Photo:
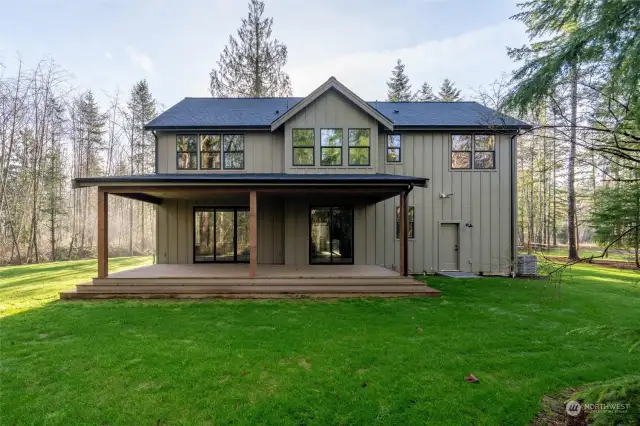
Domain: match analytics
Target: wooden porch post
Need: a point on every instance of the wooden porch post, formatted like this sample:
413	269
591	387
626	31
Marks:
404	241
103	233
253	234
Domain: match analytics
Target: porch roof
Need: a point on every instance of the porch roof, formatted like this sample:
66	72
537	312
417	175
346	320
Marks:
251	180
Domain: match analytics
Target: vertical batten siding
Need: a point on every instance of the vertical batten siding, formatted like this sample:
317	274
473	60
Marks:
481	198
264	152
330	110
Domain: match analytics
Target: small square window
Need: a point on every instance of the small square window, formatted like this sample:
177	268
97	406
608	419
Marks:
475	151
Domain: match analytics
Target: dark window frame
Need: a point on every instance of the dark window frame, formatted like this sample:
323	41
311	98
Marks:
179	152
350	147
322	147
491	151
225	151
353	244
472	151
389	147
312	146
202	152
214	209
411	230
469	152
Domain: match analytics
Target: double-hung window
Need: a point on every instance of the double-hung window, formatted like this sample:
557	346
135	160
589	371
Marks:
331	147
359	147
186	152
303	147
394	149
233	146
410	222
210	152
473	151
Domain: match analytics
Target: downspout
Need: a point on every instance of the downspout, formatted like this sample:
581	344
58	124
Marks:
514	200
155	166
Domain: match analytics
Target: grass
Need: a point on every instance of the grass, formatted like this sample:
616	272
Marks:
363	361
32	286
614	254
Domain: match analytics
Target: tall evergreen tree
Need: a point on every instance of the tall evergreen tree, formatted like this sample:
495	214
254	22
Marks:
398	84
252	66
425	93
448	91
142	108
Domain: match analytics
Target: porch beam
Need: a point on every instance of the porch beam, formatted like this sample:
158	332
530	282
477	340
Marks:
404	241
103	233
253	234
141	197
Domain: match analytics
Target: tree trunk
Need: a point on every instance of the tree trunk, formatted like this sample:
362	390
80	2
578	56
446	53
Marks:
571	196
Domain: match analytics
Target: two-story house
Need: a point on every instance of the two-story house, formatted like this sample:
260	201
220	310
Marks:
319	189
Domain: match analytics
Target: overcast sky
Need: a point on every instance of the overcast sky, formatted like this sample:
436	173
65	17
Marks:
174	44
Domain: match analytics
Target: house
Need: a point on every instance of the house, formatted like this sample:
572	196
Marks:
327	188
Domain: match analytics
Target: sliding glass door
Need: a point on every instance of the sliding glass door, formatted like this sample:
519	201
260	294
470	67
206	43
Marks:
221	234
331	239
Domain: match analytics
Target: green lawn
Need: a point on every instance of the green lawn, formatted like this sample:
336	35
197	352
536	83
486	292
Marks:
615	254
365	361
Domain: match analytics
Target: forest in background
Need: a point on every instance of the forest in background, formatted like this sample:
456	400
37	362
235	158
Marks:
51	133
578	83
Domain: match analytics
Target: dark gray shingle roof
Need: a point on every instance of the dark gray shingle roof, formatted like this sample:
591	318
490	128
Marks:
256	112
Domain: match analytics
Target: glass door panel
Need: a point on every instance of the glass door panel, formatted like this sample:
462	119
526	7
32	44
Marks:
204	236
331	235
242	231
225	235
341	235
320	239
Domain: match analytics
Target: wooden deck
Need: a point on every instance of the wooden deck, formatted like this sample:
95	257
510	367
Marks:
234	281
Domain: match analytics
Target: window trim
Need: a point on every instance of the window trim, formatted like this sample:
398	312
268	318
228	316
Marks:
387	148
358	147
312	146
224	151
397	222
177	153
219	151
472	152
332	147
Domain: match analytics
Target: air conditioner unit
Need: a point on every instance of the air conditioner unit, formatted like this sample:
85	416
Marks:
527	265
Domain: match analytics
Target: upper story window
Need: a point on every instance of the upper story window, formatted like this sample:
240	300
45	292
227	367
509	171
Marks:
186	152
303	147
359	147
394	149
331	147
473	151
210	152
233	152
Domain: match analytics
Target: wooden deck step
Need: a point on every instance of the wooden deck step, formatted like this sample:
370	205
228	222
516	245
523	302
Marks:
132	289
256	281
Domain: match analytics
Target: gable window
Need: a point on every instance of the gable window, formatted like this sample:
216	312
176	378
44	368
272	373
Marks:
359	147
394	149
186	152
303	147
233	152
473	151
210	152
410	222
484	152
331	147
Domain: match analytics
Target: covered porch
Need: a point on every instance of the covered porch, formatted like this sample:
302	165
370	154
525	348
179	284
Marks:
275	252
